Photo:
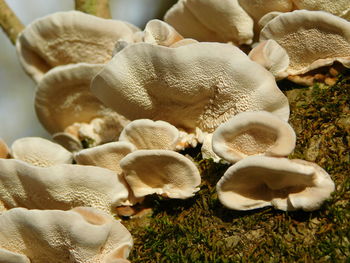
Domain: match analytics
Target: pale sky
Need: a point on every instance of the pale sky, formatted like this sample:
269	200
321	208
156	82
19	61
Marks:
17	116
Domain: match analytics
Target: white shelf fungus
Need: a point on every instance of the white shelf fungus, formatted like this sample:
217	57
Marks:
58	187
211	20
67	38
160	172
81	235
258	8
147	135
195	86
108	156
160	33
156	32
64	103
259	181
253	133
267	18
40	152
184	42
271	56
68	141
339	8
312	39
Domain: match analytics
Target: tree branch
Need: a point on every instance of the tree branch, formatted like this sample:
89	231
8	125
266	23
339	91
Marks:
9	22
94	7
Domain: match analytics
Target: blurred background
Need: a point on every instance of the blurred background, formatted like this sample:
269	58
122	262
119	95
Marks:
17	116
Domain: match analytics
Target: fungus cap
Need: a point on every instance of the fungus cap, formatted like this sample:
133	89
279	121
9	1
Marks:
108	156
267	18
339	8
271	56
252	133
211	20
199	85
81	235
12	257
184	42
258	8
63	98
161	172
189	26
68	141
149	135
67	38
312	39
61	186
259	181
160	33
40	152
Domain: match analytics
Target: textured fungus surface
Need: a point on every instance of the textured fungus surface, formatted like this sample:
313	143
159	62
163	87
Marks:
162	172
258	181
40	152
200	85
63	98
147	134
58	187
68	37
211	20
253	133
81	235
312	39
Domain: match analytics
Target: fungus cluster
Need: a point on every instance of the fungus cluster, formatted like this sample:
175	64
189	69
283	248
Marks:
123	103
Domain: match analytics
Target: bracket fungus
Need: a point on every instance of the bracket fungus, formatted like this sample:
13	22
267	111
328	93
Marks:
147	135
64	103
253	133
259	181
312	39
67	38
271	56
258	8
211	20
339	8
161	172
40	152
81	235
108	156
68	141
62	186
156	32
267	18
160	33
196	86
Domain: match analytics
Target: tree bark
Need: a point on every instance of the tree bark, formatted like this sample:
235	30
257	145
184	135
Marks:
94	7
9	22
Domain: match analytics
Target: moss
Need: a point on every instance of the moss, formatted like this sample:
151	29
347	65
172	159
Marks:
200	229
